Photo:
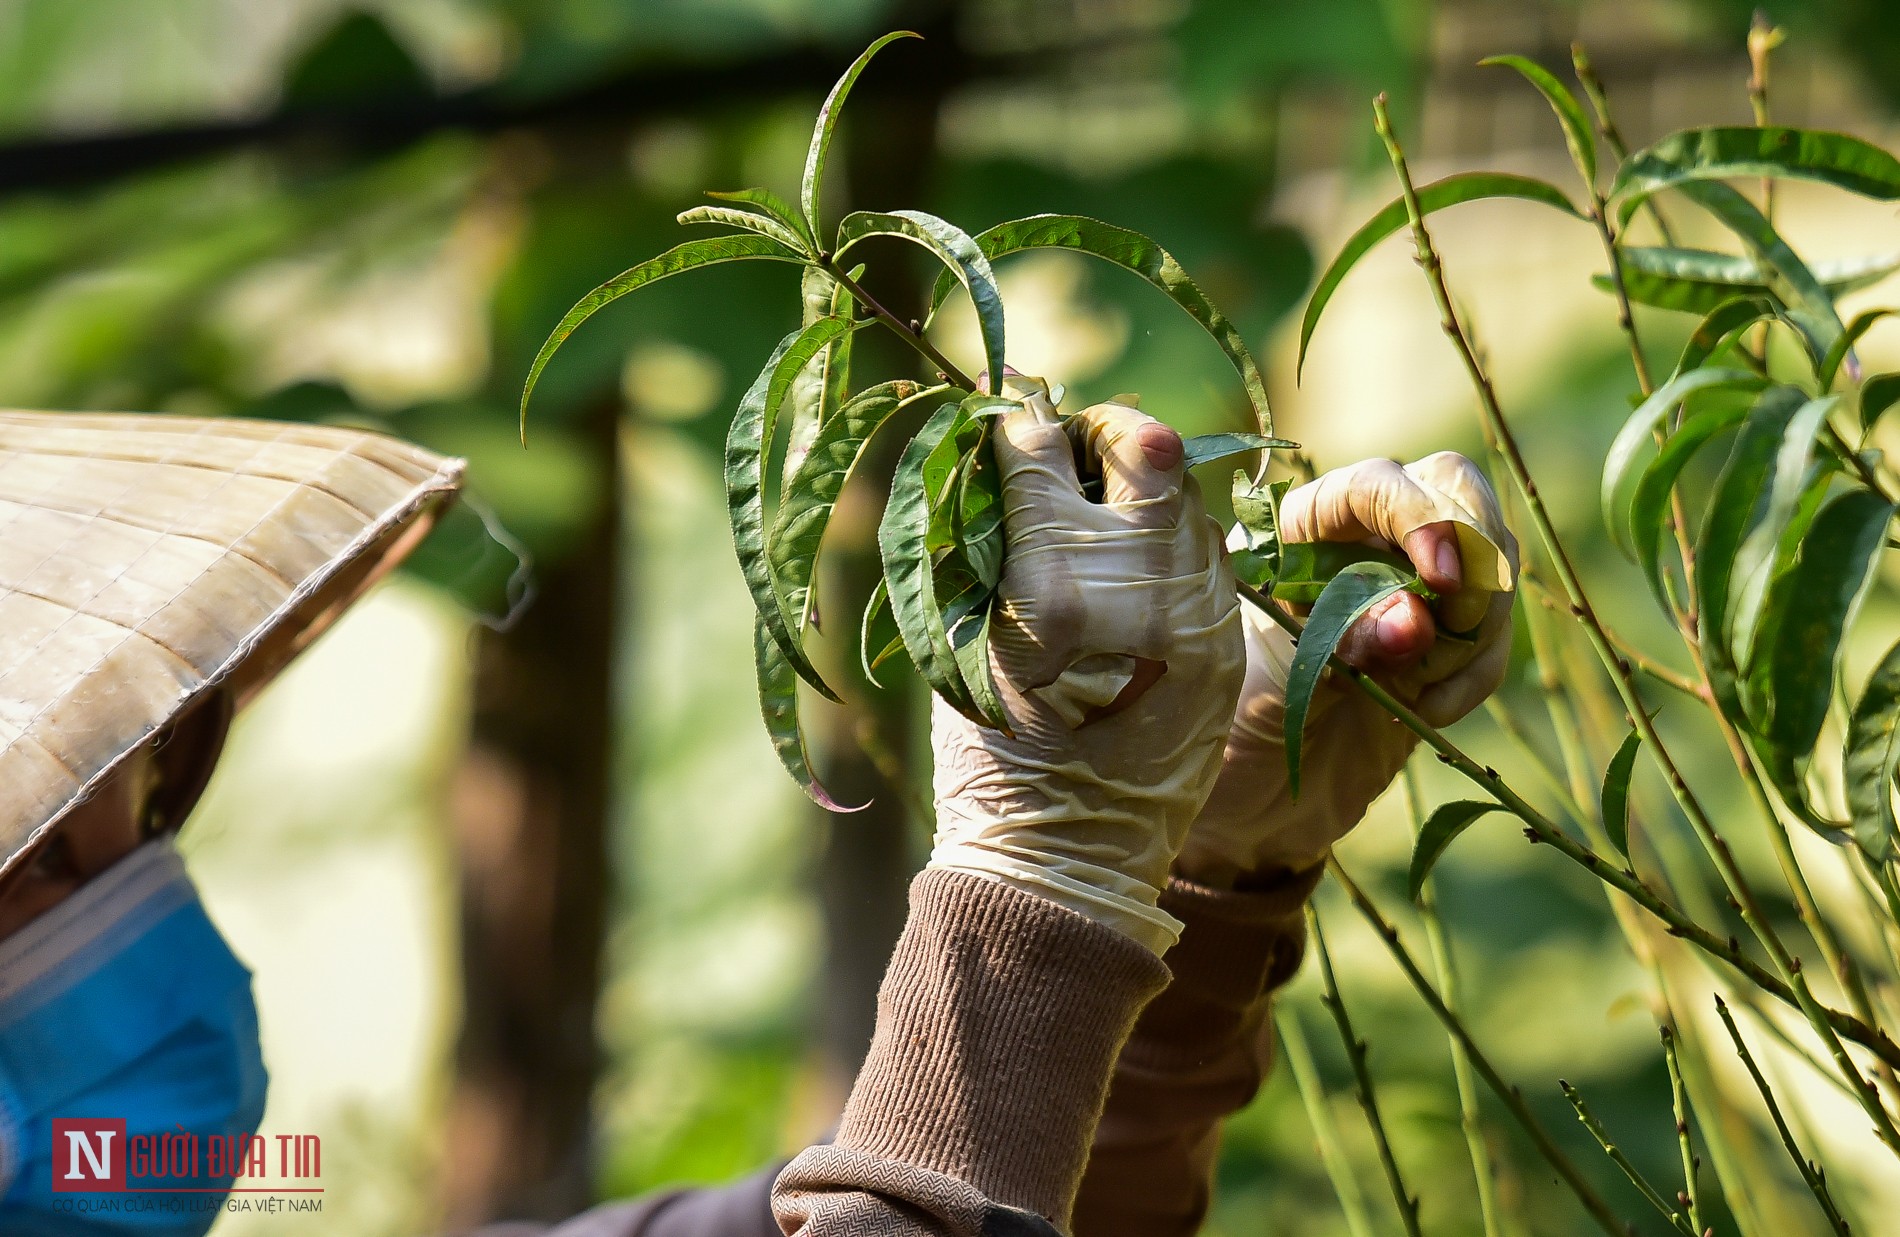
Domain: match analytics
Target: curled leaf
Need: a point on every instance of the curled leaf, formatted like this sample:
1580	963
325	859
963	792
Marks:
778	704
820	148
1576	125
1616	792
747	220
1728	152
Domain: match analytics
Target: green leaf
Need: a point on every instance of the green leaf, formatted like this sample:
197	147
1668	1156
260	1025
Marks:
1828	580
1354	591
1731	152
1809	304
1730	515
1439	831
970	636
778	704
958	251
1722	327
1702	280
773	206
1639	430
1878	394
1134	252
1206	448
820	147
1789	481
1766	562
1306	567
901	538
878	631
1650	507
1831	363
763	225
748	442
1451	191
977	527
1577	134
810	496
1872	759
821	387
1257	516
683	257
1616	792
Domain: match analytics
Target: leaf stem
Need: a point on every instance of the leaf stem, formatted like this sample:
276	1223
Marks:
903	330
1622	1161
1606	125
1679	1104
1513	1099
1541	829
1810	1172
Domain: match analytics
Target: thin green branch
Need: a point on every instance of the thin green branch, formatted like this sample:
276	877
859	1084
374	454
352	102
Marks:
1470	1118
1597	1131
1638	660
1541	829
1362	1078
1513	1099
1691	1196
909	332
1811	1173
1332	1156
1606	125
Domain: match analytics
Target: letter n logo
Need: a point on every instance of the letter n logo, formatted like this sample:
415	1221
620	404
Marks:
88	1156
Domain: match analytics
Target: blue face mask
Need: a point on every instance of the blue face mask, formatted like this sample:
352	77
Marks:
122	1003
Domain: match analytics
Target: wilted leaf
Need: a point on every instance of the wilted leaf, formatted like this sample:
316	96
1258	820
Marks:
684	257
1133	252
1451	191
1639	430
1872	759
773	206
1439	831
1616	792
1731	152
957	251
1354	591
820	148
1577	134
763	225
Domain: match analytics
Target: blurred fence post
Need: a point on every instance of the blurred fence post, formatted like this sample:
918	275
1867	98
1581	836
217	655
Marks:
530	812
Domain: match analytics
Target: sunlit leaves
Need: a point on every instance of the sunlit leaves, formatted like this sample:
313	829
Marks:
1649	510
957	251
1704	281
1576	125
1641	426
1439	831
1451	191
1206	448
820	148
1725	153
772	206
1133	252
1351	593
1872	759
684	257
1809	304
746	220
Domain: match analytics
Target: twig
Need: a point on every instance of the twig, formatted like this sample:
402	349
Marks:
1541	829
1627	651
1679	1104
1332	1156
1811	1173
1586	1193
1622	1161
1469	1117
903	330
1606	125
1622	675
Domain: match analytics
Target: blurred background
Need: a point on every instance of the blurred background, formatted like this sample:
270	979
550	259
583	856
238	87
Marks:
535	917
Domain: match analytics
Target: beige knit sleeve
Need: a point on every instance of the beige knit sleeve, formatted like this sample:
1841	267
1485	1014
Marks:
998	1024
1197	1056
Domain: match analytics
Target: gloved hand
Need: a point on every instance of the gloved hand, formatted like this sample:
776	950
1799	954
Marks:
1442	513
1117	655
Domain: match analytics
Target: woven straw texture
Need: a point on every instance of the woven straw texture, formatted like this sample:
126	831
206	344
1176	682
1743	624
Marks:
147	559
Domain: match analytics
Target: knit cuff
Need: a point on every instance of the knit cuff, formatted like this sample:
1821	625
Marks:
998	1024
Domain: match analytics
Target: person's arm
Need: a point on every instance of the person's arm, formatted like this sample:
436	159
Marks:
1201	1049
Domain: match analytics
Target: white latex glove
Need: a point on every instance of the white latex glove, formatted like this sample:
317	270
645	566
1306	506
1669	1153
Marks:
1442	513
1117	653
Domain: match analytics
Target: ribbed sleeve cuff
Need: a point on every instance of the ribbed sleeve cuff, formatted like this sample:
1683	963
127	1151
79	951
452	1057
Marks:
999	1021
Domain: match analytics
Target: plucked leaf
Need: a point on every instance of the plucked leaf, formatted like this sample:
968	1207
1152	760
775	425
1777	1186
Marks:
1439	831
1649	506
1354	591
1451	191
763	225
1701	281
1206	448
1872	759
820	148
901	538
1729	152
684	257
1639	430
748	442
1616	792
1134	252
1576	125
778	704
771	205
958	251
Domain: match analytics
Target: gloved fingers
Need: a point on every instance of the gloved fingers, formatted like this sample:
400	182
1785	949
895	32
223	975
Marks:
1373	498
1037	466
1396	633
1140	460
1481	535
1445	702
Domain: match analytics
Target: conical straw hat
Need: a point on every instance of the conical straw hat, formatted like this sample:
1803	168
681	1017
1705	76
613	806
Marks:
145	560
